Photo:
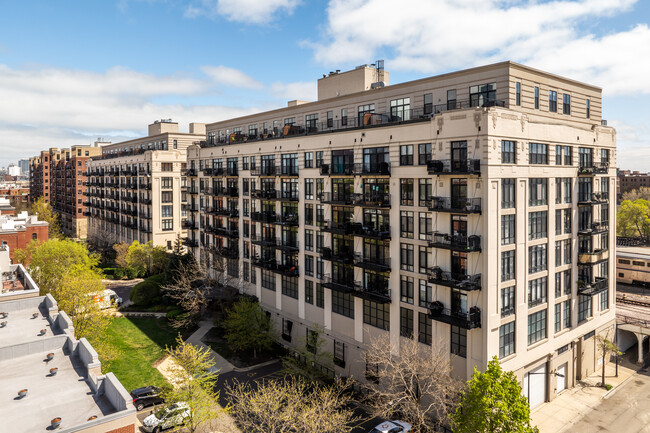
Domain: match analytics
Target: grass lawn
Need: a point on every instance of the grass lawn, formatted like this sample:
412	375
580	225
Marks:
139	343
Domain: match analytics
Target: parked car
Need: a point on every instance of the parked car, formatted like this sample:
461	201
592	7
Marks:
165	418
146	396
392	427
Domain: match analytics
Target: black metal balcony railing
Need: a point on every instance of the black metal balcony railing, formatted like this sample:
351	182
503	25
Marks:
264	241
340	255
381	232
454	280
189	172
226	192
288	269
189	224
599	285
227	252
337	199
265	194
595	228
594	168
451	166
339	227
341	284
230	213
377	263
593	198
231	231
456	317
265	217
288	219
288	245
288	196
372	199
190	242
455	205
455	242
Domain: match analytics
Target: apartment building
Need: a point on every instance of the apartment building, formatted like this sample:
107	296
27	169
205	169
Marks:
18	231
136	188
630	180
470	209
59	176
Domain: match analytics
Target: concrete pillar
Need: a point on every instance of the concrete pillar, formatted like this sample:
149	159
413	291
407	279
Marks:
639	338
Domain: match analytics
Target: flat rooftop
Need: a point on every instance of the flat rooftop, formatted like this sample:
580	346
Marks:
66	395
633	252
22	327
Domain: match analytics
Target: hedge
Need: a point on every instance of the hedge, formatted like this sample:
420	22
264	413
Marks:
148	292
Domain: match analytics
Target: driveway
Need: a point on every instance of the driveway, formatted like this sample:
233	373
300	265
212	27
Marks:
122	288
626	411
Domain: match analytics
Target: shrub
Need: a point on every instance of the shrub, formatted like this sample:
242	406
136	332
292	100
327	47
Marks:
131	273
174	314
608	386
148	291
118	274
109	272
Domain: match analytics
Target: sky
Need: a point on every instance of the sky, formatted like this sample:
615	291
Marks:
74	71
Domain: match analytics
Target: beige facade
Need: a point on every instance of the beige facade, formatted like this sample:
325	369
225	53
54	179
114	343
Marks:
470	209
136	188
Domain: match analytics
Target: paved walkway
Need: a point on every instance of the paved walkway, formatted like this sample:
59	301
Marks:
566	410
219	361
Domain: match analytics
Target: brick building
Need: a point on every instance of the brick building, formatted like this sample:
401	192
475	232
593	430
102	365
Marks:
629	180
18	231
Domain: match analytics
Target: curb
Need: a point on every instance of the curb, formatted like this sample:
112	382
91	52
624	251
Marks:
612	391
252	367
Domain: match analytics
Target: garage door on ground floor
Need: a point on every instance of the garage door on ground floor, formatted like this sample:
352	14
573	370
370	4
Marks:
535	386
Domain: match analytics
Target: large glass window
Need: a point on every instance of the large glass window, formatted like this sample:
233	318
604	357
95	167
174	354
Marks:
537	291
507	193
507	265
537	191
406	322
507	301
508	152
506	339
483	95
537	225
566	104
508	232
537	257
424	329
537	153
376	314
459	341
584	308
424	153
400	109
343	304
536	327
552	101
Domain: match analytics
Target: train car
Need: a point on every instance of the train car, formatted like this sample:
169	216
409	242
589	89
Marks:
633	266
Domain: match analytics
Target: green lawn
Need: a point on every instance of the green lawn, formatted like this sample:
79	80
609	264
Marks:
139	343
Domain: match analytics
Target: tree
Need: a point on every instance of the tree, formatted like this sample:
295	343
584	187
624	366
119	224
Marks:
635	194
147	258
248	327
633	219
412	382
309	358
606	347
121	251
56	258
293	405
492	402
189	290
45	213
192	375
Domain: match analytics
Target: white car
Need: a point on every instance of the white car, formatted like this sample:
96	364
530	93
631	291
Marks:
392	427
166	418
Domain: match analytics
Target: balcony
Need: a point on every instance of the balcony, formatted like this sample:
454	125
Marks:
376	290
594	168
339	227
341	284
189	224
288	220
340	255
337	199
229	231
454	167
594	198
264	241
454	280
191	207
595	228
337	169
190	242
227	252
266	170
455	317
381	232
288	245
356	169
455	205
146	186
372	200
286	269
189	172
455	242
267	217
230	213
599	285
377	263
288	196
592	257
265	194
227	192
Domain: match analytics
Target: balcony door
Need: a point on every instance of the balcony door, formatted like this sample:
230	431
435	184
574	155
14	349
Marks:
458	301
459	225
458	155
458	263
458	193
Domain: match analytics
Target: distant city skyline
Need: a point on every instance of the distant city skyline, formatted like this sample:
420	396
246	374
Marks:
105	69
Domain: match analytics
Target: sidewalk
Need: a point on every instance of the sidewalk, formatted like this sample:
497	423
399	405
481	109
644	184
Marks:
573	404
219	361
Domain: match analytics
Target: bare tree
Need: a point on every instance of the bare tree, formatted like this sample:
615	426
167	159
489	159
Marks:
292	405
412	382
606	347
225	286
189	289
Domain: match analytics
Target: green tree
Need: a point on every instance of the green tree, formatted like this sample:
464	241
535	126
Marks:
193	381
309	358
293	405
121	251
248	327
56	258
633	219
45	213
147	258
492	402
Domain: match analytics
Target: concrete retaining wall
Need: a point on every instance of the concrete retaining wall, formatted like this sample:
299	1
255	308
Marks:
43	346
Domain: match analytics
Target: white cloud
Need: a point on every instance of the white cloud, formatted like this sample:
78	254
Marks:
243	11
231	77
439	35
306	91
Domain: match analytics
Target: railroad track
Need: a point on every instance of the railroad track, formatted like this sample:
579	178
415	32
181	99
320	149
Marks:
620	299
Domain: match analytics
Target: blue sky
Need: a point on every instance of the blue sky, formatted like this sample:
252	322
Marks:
72	71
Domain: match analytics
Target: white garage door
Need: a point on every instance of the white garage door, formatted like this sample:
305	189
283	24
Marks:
561	378
535	386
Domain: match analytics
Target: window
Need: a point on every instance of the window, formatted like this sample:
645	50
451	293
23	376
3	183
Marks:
537	225
536	98
563	155
406	257
423	259
566	104
482	95
406	192
508	152
166	182
330	119
268	280
167	166
167	197
339	353
400	109
425	226
309	159
406	154
34	237
167	225
309	214
309	189
508	229
290	286
424	153
507	193
537	290
584	308
167	211
537	153
506	339
428	103
537	255
406	224
320	296
343	304
507	301
406	289
508	265
567	281
376	314
552	101
425	190
319	158
309	266
426	294
536	327
558	317
459	341
537	191
406	322
309	240
588	103
567	314
518	93
363	109
424	329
